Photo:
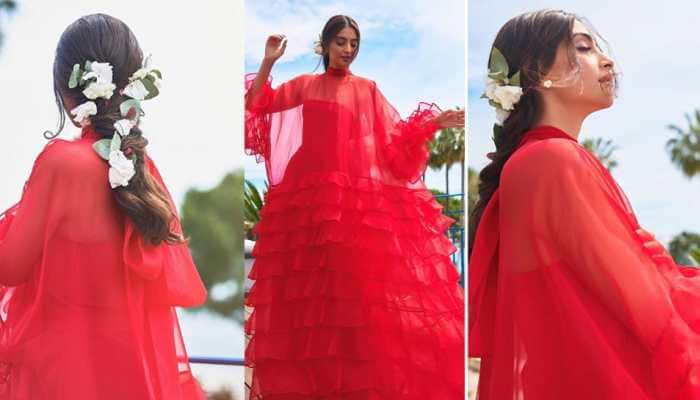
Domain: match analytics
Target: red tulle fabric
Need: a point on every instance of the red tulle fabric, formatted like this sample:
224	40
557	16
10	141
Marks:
355	295
565	301
86	307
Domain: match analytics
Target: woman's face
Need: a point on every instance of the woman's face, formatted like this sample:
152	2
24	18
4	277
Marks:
589	84
342	49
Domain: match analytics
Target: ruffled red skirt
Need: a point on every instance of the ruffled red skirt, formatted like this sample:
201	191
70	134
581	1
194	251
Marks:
355	294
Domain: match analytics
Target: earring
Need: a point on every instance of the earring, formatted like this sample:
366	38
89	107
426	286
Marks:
547	84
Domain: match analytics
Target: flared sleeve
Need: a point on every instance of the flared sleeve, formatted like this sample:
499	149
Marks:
403	142
25	227
168	268
259	110
570	208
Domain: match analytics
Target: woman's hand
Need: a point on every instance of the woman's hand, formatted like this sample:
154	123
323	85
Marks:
274	47
450	119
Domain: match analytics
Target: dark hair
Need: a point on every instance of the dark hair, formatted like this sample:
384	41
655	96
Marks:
529	43
334	25
102	38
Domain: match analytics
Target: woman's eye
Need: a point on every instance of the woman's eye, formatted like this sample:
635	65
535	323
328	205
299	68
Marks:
583	49
340	42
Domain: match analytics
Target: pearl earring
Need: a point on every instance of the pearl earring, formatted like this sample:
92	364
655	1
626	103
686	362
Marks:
547	84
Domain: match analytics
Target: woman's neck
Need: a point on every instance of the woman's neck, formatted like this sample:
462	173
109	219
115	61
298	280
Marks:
562	117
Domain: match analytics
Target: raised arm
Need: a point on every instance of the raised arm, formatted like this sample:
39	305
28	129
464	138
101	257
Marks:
402	142
274	49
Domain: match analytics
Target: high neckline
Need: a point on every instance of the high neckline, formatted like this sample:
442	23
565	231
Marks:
338	71
546	132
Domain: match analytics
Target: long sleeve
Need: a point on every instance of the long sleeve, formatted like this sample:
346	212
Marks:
258	110
403	142
169	268
555	192
26	226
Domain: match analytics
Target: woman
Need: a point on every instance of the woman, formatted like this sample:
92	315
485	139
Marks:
355	295
93	259
569	298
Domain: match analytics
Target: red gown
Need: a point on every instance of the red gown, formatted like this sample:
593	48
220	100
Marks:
355	295
86	308
565	302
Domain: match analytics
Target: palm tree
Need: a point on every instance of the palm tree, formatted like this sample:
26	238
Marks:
437	157
6	7
603	150
473	188
252	204
684	148
682	247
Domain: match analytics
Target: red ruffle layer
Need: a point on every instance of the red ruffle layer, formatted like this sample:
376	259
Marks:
355	296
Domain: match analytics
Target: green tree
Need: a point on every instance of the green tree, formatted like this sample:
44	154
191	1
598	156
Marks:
7	7
603	149
682	245
473	190
252	204
684	148
212	221
453	207
445	150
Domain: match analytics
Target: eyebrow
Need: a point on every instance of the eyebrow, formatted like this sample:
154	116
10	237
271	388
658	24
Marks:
346	38
586	35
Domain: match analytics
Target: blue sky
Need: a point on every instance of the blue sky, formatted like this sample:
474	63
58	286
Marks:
657	49
414	50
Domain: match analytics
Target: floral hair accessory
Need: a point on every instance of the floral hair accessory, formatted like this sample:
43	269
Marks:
318	46
144	84
83	112
502	91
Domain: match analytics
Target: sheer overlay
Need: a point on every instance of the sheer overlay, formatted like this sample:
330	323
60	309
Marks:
86	307
355	295
565	301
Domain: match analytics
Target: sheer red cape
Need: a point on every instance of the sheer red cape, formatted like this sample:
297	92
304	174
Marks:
355	295
565	302
86	307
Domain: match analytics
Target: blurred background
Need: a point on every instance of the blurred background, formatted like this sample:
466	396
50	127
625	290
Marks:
193	128
650	138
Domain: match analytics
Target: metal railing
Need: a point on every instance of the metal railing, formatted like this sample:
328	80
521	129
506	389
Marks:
217	360
456	232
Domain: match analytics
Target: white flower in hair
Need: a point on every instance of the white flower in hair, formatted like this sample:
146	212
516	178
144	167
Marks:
102	72
83	112
123	126
318	46
139	74
96	90
121	169
506	96
136	90
501	116
502	91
